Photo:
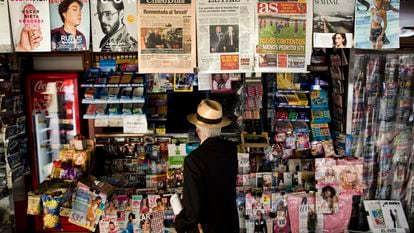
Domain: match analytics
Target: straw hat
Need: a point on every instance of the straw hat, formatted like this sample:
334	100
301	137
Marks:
209	114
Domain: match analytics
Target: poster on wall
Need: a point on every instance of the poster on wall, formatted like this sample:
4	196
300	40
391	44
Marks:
377	24
5	36
283	36
333	23
225	42
166	36
114	26
69	25
30	23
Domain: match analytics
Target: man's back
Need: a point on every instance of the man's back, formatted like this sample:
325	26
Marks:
214	166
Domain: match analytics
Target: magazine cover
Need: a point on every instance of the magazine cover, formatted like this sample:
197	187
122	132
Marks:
87	207
159	82
108	224
221	83
183	82
406	18
69	25
333	23
114	26
5	36
176	156
327	201
283	36
377	24
349	176
30	25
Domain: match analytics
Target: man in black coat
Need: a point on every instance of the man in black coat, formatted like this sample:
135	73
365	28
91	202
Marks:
210	174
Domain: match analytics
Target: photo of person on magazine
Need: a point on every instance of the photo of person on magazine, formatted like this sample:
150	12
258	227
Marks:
68	37
378	24
260	223
339	40
31	34
331	200
91	216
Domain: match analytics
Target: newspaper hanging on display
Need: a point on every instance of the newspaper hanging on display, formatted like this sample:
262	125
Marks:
377	24
225	44
74	12
283	36
114	25
166	36
5	37
333	23
30	24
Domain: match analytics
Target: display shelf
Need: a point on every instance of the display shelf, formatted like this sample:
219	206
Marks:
113	101
292	106
286	92
107	117
291	120
113	85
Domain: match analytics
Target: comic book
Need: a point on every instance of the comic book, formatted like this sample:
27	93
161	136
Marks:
62	40
114	29
333	19
371	17
30	24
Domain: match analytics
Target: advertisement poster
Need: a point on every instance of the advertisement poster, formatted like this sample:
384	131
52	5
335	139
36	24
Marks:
284	36
333	23
31	25
69	25
166	36
327	201
377	24
5	36
225	42
114	25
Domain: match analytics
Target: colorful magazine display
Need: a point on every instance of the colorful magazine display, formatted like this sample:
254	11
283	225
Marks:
333	23
69	25
176	156
377	24
30	25
114	26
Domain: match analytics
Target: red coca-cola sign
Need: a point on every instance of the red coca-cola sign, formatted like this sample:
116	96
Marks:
44	86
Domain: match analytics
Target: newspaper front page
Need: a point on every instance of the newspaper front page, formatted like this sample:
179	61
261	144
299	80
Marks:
166	36
225	43
284	34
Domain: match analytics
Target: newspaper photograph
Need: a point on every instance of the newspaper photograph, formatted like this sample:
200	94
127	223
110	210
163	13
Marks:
30	24
114	25
225	44
284	34
5	37
333	23
166	35
377	24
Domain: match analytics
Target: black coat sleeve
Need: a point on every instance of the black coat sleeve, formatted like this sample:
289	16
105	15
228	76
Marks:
189	217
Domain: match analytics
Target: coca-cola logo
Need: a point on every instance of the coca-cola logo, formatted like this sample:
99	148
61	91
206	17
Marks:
42	86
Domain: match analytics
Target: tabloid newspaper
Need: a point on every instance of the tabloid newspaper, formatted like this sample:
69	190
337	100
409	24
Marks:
283	36
166	36
114	25
5	37
225	42
331	19
377	24
63	40
30	25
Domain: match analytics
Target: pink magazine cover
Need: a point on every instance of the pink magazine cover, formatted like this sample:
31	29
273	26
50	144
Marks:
327	186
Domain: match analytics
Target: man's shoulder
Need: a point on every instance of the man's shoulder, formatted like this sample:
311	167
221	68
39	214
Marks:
58	31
